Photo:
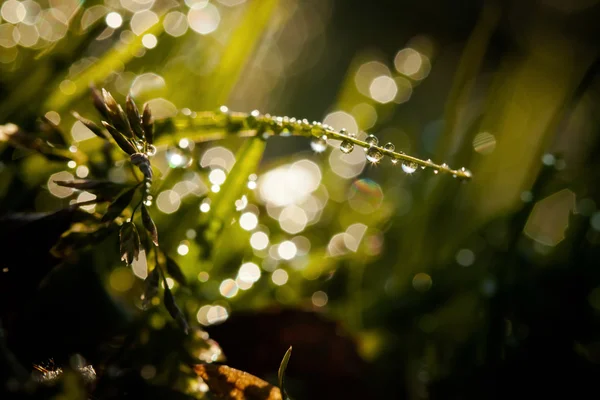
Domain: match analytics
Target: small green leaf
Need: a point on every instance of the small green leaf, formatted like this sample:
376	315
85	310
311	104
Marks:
123	143
149	225
116	57
117	206
281	372
130	242
175	272
151	286
174	310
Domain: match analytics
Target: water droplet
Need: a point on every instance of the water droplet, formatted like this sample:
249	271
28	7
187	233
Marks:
436	171
394	161
139	145
374	155
151	151
148	202
389	147
343	132
409	167
346	146
179	158
466	174
372	140
319	144
444	166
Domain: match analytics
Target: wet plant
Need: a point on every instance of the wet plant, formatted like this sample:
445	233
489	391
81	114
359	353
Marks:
133	132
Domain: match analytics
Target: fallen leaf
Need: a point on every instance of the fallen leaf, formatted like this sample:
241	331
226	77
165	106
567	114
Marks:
232	384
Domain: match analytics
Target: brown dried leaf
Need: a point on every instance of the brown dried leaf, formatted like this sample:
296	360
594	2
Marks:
232	384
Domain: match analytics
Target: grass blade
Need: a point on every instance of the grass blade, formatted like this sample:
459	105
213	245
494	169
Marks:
248	157
281	372
114	59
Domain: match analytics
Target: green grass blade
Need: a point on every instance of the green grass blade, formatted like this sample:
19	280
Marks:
248	158
223	205
114	59
281	372
239	50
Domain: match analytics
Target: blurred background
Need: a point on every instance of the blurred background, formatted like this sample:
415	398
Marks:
387	284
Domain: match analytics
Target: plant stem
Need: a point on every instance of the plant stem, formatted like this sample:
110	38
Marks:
209	126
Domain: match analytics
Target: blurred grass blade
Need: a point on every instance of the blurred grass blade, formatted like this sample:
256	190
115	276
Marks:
113	60
238	51
248	157
468	68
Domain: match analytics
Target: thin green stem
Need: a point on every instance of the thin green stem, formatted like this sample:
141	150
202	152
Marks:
160	270
139	203
209	126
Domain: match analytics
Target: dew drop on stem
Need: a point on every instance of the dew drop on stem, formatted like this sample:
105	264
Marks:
319	144
151	150
409	167
346	146
374	155
372	140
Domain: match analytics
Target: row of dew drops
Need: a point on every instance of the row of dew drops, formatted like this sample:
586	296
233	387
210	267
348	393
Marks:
320	131
373	154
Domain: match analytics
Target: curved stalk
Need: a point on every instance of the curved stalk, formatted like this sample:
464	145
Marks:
209	126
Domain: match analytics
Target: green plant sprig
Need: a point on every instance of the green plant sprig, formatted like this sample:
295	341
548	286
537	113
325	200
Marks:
209	126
